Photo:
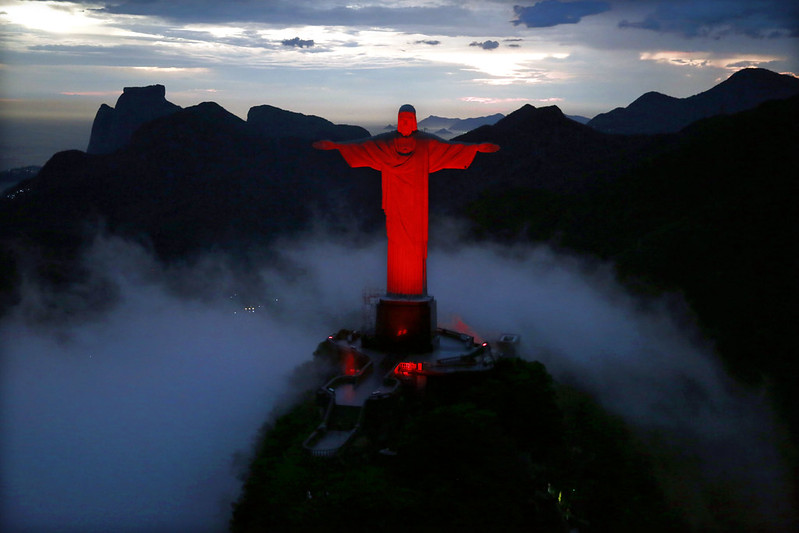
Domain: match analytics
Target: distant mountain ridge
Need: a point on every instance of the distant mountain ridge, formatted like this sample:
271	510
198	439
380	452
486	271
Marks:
654	113
456	126
270	121
541	148
579	118
114	127
192	177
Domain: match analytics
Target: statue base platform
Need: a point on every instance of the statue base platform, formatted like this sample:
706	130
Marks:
406	323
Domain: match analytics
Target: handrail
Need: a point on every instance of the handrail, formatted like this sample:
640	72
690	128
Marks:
353	379
326	452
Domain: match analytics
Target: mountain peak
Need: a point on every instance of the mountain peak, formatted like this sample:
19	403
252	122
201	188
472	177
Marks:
150	91
271	121
754	86
530	125
113	127
653	97
754	73
528	115
654	112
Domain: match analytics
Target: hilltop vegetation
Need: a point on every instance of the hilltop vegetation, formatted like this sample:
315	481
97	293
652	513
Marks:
516	452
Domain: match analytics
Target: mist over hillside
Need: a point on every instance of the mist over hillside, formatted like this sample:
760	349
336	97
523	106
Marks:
168	377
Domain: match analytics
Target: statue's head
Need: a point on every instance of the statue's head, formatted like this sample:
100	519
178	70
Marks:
406	121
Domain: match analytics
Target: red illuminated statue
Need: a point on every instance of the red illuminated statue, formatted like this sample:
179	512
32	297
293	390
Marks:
405	159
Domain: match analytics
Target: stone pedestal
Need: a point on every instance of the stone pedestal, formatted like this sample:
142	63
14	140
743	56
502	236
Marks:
406	324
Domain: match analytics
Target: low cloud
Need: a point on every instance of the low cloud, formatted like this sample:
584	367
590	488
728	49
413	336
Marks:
129	417
430	42
554	13
485	45
130	405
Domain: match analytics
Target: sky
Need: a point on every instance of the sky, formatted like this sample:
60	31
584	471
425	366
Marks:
356	62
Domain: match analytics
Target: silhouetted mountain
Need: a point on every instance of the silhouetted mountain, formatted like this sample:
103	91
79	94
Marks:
114	126
197	178
580	119
270	121
658	113
540	148
457	125
201	177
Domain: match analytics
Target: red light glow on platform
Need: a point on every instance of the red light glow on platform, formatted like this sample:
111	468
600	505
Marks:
462	327
350	365
406	368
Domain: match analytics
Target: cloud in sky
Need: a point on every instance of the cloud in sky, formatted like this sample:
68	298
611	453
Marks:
553	13
283	12
591	53
706	60
485	45
719	18
520	101
297	42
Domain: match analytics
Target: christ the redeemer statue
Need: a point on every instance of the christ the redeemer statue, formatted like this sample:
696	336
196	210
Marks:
405	159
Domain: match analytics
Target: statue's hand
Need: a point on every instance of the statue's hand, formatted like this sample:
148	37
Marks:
488	148
324	145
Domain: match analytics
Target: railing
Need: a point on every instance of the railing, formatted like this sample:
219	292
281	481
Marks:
322	429
310	443
324	453
355	380
315	436
466	338
388	381
472	358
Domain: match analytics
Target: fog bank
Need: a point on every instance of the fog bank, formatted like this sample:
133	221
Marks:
124	411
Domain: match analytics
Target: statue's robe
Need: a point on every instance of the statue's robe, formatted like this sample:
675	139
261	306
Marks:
405	164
